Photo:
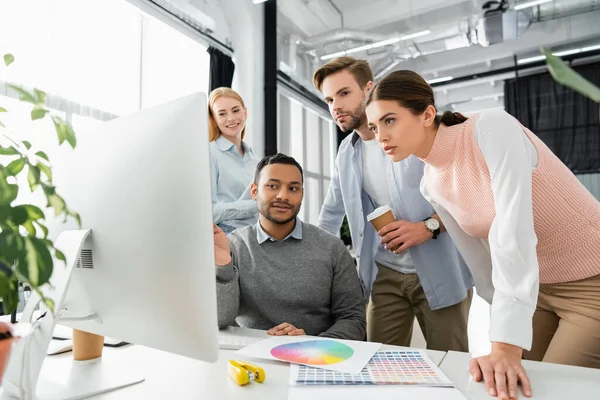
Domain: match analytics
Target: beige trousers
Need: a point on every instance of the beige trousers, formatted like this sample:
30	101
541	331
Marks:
397	298
566	324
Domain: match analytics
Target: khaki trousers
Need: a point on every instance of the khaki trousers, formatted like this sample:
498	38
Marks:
566	324
397	298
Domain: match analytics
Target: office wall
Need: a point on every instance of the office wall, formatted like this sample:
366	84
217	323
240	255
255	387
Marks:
307	133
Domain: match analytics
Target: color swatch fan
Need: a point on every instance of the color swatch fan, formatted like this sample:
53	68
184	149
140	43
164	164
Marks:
346	356
314	352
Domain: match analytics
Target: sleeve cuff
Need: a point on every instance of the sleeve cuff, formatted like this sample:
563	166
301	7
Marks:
511	323
226	273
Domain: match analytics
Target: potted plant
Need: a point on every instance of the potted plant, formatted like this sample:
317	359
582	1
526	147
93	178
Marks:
26	253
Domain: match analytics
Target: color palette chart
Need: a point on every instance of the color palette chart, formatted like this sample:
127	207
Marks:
410	367
313	352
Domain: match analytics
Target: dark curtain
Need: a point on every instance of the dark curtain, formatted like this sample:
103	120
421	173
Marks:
566	121
221	69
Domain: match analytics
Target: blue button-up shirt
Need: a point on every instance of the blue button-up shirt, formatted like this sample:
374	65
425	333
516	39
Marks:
262	236
232	174
444	276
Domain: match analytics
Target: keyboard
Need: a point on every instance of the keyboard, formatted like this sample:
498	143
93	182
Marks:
231	342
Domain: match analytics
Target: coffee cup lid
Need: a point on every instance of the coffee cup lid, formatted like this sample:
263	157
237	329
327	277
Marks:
378	212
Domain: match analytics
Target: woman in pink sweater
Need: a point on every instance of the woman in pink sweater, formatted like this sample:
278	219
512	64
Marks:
527	228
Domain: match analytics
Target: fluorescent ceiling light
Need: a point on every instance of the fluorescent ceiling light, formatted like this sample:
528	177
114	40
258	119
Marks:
333	55
533	3
531	59
387	69
590	48
559	54
258	1
487	96
375	45
438	80
415	35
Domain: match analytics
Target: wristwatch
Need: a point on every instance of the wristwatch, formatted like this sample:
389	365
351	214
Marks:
433	226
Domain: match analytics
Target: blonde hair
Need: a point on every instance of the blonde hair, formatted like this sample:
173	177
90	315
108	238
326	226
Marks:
213	129
360	69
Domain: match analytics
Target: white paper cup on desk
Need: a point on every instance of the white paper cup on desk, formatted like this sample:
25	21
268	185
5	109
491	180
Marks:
381	217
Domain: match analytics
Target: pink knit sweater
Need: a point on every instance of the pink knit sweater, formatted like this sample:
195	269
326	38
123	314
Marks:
566	215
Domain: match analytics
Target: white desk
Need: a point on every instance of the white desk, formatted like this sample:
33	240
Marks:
170	376
549	381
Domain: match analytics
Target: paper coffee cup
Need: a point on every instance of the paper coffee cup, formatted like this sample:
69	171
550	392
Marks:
381	217
86	346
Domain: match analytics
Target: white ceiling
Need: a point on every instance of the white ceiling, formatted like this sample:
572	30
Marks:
318	27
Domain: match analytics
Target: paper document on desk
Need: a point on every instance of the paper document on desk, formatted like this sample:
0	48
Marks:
345	356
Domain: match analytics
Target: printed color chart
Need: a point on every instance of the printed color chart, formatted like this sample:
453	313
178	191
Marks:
385	368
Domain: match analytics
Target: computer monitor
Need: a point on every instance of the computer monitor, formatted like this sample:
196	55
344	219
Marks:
144	272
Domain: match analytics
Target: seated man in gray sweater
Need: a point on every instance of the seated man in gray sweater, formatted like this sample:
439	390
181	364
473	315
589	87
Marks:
283	275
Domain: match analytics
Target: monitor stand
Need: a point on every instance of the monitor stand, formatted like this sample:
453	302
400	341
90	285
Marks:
63	378
67	379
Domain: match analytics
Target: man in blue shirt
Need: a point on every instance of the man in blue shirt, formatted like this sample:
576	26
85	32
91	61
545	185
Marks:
425	277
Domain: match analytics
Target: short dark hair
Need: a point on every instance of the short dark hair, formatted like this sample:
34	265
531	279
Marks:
278	158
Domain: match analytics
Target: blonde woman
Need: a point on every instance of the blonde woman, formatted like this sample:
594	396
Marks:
233	161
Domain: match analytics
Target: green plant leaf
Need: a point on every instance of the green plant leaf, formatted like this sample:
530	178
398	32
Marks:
2	125
70	136
38	112
33	177
8	192
46	170
30	228
2	109
56	202
33	212
76	216
24	95
8	59
8	151
26	144
5	285
43	228
39	95
10	295
48	302
43	155
19	215
11	243
64	131
60	255
37	266
566	76
16	166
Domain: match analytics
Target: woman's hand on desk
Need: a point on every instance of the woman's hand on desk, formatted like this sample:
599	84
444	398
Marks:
286	329
502	371
222	248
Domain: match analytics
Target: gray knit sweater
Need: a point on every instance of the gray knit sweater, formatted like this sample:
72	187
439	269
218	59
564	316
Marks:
310	283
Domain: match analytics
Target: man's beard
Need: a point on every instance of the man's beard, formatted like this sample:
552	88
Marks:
357	119
264	209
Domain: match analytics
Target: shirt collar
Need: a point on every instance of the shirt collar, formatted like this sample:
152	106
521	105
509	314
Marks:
355	137
226	145
262	236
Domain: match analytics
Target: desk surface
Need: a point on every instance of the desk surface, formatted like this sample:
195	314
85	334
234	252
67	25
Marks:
169	376
549	381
